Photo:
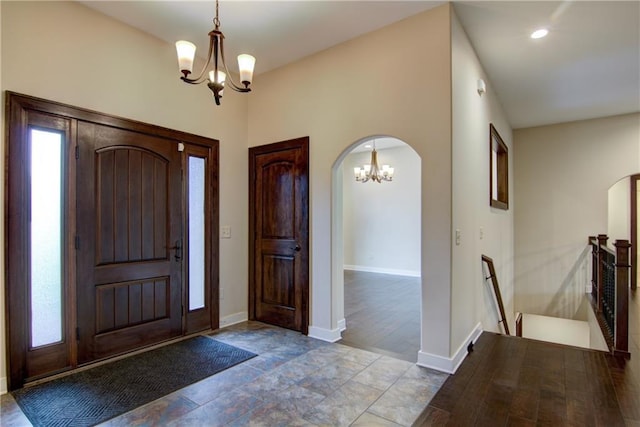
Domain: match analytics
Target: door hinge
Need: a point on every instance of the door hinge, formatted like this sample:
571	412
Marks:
77	242
77	152
78	334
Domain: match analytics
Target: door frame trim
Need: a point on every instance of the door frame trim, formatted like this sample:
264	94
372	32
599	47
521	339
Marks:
301	143
634	229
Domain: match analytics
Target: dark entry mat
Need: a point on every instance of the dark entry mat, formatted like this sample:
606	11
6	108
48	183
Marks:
98	394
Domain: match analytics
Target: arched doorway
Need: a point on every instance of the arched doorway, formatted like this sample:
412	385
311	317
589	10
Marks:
376	249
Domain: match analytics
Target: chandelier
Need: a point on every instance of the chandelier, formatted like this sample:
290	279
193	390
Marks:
372	171
216	78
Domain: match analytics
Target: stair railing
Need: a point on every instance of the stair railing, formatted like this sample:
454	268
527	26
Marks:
496	290
610	291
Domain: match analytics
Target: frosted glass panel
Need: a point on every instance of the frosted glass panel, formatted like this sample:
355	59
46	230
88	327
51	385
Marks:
46	237
196	232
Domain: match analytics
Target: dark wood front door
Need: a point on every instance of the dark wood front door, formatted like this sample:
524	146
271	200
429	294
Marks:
130	241
278	230
112	236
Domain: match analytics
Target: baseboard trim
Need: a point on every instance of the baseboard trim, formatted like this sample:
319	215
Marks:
329	335
449	364
395	272
3	385
342	325
234	318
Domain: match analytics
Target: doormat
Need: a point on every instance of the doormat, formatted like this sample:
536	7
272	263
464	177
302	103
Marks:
93	396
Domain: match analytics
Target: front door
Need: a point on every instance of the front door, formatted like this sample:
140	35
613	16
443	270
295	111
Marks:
129	241
112	236
279	230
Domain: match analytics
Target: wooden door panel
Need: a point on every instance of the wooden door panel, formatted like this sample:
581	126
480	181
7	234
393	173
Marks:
278	196
132	193
121	305
279	229
277	281
130	293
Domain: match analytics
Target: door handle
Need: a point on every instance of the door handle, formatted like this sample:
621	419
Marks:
178	248
297	248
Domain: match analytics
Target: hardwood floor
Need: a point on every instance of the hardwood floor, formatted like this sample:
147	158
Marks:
509	381
382	312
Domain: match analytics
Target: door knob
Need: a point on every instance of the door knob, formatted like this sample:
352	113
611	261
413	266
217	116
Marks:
297	248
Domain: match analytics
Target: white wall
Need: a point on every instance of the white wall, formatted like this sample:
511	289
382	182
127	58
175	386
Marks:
65	52
381	221
353	91
562	174
619	212
483	229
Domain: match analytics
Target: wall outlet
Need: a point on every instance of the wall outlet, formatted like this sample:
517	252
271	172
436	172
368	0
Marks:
481	233
221	293
225	232
458	235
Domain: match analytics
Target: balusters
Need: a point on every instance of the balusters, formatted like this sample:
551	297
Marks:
610	289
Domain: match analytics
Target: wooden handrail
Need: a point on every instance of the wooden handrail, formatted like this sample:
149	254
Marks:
496	290
519	325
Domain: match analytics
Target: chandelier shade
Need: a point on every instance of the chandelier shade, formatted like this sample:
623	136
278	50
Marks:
219	76
372	172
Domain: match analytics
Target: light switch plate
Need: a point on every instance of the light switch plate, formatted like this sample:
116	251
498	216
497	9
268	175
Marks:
225	231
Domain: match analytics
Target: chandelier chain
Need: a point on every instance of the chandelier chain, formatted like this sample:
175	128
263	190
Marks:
216	20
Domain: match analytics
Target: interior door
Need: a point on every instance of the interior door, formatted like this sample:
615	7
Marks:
279	230
129	241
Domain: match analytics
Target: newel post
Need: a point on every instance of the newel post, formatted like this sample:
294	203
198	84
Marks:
621	340
602	243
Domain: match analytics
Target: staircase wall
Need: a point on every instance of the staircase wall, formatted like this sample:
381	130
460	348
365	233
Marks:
562	174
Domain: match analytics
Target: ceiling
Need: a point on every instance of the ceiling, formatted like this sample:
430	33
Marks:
588	66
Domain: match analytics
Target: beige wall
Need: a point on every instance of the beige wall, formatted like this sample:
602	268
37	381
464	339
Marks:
483	230
65	52
562	174
619	212
396	82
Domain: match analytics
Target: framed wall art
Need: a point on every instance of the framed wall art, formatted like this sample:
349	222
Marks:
498	170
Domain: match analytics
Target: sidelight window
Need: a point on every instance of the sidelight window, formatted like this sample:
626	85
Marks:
46	229
196	232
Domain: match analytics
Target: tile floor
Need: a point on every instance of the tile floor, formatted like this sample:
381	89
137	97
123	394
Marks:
294	381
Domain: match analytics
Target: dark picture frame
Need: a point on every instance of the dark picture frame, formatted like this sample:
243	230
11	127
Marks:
498	170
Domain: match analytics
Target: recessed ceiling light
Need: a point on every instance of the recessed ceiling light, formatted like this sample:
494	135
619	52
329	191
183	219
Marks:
538	34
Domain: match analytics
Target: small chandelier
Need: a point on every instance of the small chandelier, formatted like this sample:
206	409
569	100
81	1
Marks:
372	171
217	77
